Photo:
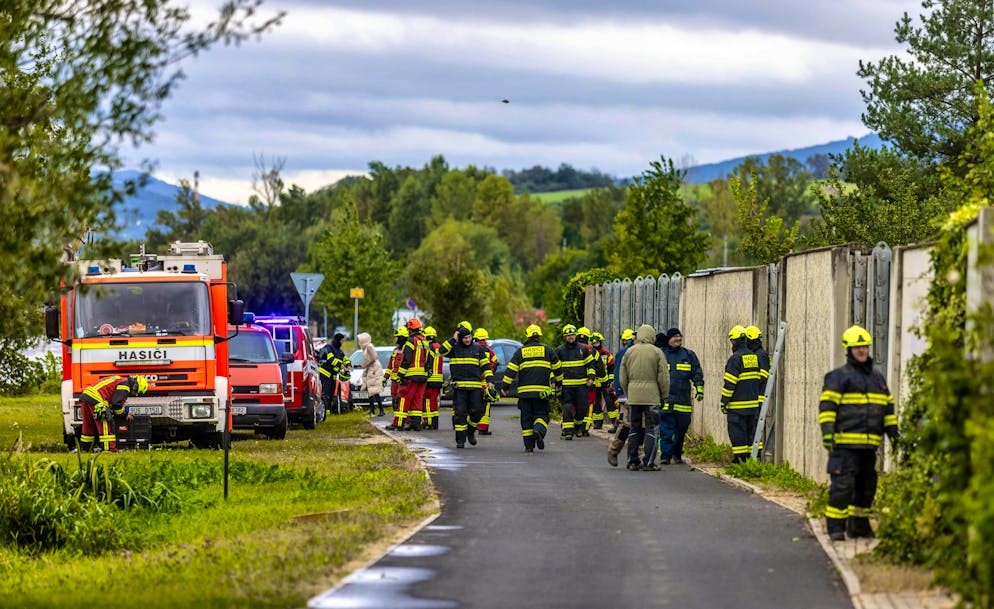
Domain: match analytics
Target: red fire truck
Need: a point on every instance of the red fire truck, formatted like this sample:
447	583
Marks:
302	390
165	317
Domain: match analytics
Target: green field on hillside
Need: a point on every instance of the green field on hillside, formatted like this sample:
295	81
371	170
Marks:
561	195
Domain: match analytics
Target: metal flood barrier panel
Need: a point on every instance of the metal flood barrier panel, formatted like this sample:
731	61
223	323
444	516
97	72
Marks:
910	280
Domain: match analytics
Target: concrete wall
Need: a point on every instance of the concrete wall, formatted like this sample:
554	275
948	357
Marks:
816	304
709	306
911	275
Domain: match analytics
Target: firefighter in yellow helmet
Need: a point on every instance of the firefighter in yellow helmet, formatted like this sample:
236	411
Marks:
101	403
583	335
604	396
413	373
535	365
741	394
855	411
481	336
392	374
576	375
435	379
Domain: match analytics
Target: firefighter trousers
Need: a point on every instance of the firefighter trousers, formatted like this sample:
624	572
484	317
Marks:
327	390
101	432
742	431
854	483
599	403
430	417
574	408
467	409
398	412
534	420
412	399
667	433
644	422
680	434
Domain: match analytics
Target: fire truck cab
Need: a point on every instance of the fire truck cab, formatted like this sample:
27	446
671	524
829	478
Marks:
302	392
165	317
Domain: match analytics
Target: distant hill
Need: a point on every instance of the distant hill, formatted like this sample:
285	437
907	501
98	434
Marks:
705	173
137	214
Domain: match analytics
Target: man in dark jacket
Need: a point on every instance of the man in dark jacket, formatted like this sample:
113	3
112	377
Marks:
575	376
536	366
855	411
469	373
742	394
686	384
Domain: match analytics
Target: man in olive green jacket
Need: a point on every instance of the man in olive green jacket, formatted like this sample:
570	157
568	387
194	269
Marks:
645	379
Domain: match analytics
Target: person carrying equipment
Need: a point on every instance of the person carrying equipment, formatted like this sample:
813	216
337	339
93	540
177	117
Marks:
469	373
604	398
627	339
481	336
583	337
646	381
392	373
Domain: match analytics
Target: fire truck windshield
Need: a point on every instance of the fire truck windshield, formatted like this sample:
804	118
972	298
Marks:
143	308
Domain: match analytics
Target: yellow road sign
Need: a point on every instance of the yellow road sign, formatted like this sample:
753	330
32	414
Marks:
357	293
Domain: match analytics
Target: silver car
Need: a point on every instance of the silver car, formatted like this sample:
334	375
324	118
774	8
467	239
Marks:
357	395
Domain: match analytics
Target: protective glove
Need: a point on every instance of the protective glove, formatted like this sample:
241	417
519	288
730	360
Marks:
724	409
828	441
700	393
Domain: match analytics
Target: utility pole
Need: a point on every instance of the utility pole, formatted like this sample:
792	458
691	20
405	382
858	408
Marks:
356	294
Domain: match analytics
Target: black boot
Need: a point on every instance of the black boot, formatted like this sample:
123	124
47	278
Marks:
539	436
471	436
859	526
836	529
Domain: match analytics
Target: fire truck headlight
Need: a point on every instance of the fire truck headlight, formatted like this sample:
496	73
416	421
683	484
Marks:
201	411
270	388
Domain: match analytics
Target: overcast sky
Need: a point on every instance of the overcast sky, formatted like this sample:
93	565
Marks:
591	83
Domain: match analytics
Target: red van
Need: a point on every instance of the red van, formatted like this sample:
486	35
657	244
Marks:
302	386
256	381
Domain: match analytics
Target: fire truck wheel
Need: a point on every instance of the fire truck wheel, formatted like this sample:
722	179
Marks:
311	412
210	439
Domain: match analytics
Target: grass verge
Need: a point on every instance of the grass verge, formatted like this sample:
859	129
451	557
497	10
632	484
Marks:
299	512
779	476
705	450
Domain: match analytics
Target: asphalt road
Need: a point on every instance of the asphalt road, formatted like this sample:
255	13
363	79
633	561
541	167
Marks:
562	528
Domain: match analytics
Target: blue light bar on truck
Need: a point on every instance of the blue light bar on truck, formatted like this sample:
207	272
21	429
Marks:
189	268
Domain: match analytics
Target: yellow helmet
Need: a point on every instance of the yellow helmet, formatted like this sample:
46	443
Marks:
596	337
627	334
481	334
856	336
533	330
429	332
402	332
142	384
583	331
466	324
736	332
569	329
753	332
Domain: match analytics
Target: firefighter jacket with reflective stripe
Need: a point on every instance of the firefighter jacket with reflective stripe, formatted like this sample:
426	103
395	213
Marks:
414	365
435	377
600	373
110	391
744	381
536	366
469	365
856	407
491	356
685	375
393	366
617	366
608	360
576	364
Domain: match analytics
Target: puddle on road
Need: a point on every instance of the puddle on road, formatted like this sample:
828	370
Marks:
443	527
418	550
379	587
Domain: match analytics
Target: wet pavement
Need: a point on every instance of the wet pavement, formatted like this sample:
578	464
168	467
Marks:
562	528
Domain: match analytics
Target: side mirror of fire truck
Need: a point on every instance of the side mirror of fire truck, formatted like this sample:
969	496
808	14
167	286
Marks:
286	357
52	323
236	312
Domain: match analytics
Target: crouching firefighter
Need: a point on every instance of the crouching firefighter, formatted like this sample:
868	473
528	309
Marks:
100	403
855	411
536	366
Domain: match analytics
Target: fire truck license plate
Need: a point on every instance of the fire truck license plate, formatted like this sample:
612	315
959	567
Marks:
238	410
152	410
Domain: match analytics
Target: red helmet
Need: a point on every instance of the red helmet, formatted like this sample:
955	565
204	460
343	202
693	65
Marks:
413	323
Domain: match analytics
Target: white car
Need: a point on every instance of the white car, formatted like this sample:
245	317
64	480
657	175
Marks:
358	396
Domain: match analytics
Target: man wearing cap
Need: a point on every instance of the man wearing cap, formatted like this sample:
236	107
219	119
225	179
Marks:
535	364
469	373
686	385
100	403
576	375
741	395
